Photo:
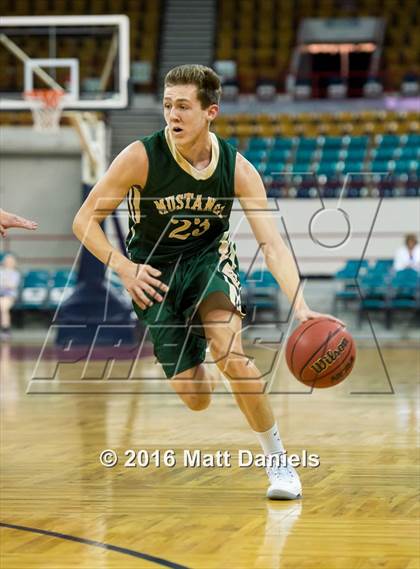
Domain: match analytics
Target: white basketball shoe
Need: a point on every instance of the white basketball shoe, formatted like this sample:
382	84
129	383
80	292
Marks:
284	483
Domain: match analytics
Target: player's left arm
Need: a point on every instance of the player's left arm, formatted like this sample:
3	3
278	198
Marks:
250	190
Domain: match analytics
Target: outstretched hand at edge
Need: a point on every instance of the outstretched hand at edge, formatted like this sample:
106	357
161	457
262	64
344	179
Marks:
9	220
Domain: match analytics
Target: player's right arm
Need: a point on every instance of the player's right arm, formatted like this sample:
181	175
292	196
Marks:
129	168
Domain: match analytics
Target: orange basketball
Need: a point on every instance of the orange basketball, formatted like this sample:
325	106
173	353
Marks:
320	352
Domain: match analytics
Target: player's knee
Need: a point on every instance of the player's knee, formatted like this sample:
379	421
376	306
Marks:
222	351
236	367
234	361
197	402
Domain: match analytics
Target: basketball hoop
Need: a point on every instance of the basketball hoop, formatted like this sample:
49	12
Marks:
46	107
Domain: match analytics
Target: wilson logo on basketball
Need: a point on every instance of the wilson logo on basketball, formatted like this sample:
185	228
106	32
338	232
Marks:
329	358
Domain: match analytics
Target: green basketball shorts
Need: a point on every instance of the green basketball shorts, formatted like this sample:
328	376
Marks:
174	324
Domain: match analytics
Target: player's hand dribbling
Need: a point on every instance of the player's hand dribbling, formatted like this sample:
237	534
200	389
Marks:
306	313
142	283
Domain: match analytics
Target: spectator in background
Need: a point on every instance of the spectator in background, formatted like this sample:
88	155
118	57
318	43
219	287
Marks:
9	286
8	220
408	256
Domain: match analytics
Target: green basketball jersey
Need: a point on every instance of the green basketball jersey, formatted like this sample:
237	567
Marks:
180	209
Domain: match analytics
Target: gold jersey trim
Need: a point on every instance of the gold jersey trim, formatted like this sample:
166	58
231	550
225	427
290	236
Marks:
134	210
204	174
227	255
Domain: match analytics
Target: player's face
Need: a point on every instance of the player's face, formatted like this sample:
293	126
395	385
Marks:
184	115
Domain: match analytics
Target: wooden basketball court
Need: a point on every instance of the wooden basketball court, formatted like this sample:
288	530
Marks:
60	508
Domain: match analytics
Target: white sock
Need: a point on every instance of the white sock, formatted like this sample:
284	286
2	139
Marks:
270	440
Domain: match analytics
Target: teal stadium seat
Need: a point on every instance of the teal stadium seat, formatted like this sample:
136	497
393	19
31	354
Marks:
379	166
358	142
391	140
330	155
382	266
259	143
303	155
352	269
374	291
406	166
283	143
384	153
333	142
348	292
255	156
326	168
34	292
406	277
279	155
408	153
307	143
411	140
405	294
63	283
275	166
300	167
352	168
263	293
355	154
62	277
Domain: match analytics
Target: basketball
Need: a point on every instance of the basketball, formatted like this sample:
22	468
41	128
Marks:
320	352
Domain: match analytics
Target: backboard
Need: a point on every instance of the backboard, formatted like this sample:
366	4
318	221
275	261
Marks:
87	56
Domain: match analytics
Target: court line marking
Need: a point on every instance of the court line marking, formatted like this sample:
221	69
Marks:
123	550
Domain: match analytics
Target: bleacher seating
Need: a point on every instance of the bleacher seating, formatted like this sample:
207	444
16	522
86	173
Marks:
63	282
405	293
377	153
374	295
352	269
260	36
348	293
42	290
376	287
34	291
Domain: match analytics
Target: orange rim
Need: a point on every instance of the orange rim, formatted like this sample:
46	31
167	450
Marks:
49	97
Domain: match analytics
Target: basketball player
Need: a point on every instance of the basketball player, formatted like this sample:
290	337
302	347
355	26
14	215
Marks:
8	220
182	271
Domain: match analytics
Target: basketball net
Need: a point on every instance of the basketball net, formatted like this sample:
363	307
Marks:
46	107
